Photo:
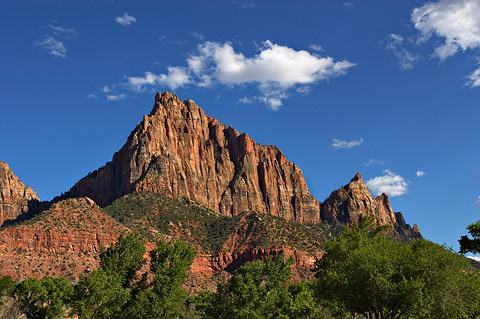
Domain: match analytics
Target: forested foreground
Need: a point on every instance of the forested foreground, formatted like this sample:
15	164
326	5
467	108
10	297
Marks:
363	274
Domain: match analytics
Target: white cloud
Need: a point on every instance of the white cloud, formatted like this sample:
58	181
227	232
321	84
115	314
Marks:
248	5
473	80
420	173
53	46
116	97
456	21
276	71
405	57
478	201
176	77
315	47
390	183
349	5
373	161
476	258
125	20
337	144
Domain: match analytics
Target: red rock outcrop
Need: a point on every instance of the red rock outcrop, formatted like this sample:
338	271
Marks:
353	202
179	151
15	197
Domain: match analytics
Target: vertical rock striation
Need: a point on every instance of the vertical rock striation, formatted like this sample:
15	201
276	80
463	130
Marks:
15	197
179	151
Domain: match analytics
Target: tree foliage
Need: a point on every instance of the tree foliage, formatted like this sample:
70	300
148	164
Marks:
376	277
43	298
471	245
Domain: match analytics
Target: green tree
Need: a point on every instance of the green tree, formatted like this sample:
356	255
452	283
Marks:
125	259
43	298
471	244
369	274
165	297
260	289
100	295
7	286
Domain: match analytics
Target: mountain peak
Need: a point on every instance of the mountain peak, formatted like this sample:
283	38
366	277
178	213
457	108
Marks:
357	178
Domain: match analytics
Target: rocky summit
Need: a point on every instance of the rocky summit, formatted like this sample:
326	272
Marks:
180	151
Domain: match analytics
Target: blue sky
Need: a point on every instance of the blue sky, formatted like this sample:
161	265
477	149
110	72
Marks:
390	89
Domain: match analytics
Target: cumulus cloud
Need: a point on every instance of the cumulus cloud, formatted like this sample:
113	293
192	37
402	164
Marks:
473	80
420	173
337	144
390	183
405	58
116	97
478	201
373	161
125	20
456	21
176	77
277	71
53	46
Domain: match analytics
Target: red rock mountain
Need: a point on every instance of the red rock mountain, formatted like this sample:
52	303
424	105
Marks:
178	150
15	198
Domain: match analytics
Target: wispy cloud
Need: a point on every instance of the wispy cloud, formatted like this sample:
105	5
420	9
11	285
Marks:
373	161
456	21
406	59
53	46
196	35
473	80
62	31
116	97
125	20
349	5
53	42
390	183
338	144
248	5
277	71
421	173
315	47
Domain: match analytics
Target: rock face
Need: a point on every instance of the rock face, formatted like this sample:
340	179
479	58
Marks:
179	151
15	198
353	202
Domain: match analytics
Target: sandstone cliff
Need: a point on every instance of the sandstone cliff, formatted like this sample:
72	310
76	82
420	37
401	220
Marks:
15	198
353	202
179	151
